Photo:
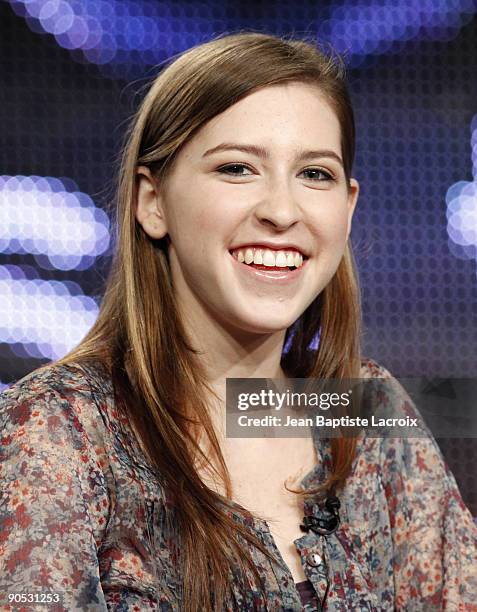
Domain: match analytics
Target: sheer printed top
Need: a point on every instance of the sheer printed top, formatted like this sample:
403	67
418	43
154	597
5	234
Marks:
83	524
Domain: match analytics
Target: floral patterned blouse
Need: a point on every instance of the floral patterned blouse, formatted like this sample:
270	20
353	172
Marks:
84	527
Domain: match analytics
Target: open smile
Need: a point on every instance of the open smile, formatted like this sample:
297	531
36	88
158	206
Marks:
269	258
270	265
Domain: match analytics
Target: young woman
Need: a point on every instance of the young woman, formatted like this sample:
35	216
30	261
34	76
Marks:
120	489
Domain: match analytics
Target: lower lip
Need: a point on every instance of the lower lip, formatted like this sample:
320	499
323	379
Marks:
280	276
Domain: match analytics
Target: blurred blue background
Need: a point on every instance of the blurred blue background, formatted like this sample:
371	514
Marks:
70	73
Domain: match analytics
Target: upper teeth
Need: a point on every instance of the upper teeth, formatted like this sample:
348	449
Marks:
269	258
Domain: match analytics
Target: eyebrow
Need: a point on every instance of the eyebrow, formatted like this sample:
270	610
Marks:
264	154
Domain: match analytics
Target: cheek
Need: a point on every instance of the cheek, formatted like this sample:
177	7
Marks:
330	227
187	217
210	214
200	221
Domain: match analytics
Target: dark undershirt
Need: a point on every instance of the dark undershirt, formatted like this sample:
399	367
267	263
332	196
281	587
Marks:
307	594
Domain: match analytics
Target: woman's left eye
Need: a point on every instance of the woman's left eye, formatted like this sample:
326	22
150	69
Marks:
317	174
235	170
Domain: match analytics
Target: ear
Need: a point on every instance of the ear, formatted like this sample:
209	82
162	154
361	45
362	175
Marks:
149	211
352	199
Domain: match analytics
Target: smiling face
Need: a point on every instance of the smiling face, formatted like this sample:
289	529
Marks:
257	209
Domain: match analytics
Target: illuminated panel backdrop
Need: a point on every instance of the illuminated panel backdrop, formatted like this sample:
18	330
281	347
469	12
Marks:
66	92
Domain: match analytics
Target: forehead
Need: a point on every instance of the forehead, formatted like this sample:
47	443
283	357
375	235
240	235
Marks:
286	115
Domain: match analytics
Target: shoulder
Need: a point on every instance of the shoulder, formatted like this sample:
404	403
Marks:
405	451
372	369
409	453
389	395
72	379
390	399
56	404
71	409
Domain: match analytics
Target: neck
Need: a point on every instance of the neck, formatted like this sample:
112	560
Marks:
230	353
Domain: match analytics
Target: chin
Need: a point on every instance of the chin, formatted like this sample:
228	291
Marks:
266	324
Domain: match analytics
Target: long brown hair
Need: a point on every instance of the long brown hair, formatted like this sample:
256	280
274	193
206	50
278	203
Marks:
159	381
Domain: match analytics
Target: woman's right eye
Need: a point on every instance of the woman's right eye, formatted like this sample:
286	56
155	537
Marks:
235	170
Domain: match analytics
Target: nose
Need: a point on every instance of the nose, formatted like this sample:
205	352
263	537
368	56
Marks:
278	207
